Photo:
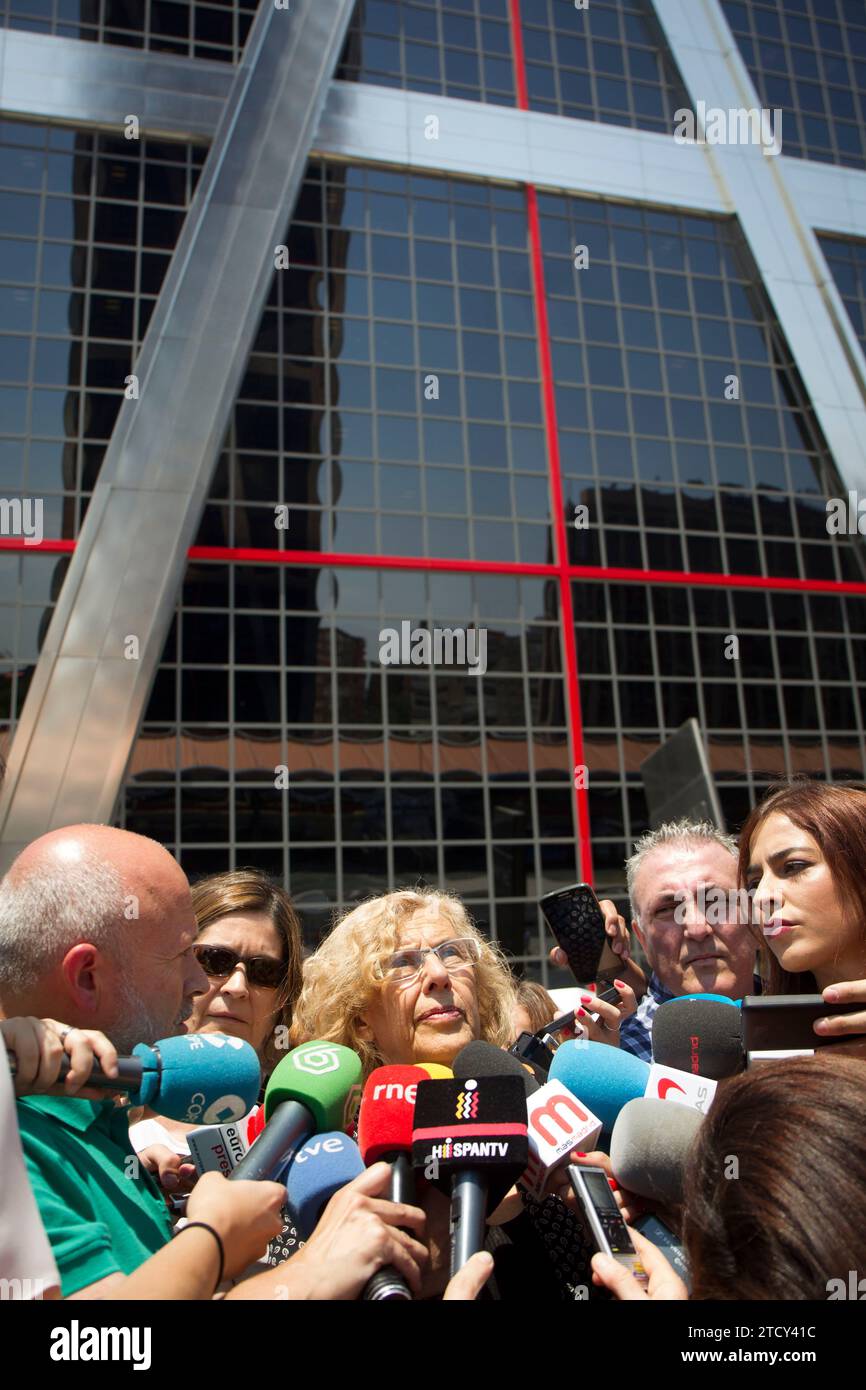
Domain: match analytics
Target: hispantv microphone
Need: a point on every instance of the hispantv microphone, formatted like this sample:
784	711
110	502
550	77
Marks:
319	1169
699	1035
648	1148
602	1077
469	1138
198	1078
314	1088
385	1134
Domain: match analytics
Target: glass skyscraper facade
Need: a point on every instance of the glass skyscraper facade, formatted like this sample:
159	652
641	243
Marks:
573	419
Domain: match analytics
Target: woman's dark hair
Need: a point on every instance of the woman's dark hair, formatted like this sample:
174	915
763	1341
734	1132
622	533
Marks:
775	1181
250	890
835	817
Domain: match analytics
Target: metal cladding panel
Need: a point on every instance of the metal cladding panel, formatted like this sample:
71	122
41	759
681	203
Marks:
87	699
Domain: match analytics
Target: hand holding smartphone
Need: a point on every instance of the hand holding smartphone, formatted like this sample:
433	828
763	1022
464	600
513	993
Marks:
577	922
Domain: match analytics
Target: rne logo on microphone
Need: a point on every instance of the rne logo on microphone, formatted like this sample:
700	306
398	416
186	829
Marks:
316	1059
395	1090
467	1102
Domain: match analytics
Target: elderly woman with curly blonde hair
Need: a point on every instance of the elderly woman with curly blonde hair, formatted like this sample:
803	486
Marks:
406	977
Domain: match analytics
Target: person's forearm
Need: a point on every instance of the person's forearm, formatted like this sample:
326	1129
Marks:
289	1280
186	1268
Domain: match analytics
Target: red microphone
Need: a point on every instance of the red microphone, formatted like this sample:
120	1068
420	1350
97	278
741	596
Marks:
385	1125
385	1134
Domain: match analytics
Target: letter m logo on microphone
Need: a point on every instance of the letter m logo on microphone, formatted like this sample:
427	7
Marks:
561	1110
556	1124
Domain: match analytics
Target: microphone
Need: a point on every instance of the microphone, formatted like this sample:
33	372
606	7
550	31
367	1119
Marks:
556	1123
648	1148
699	1034
602	1078
385	1133
315	1087
681	1087
469	1138
217	1148
436	1071
321	1166
208	1078
385	1124
483	1059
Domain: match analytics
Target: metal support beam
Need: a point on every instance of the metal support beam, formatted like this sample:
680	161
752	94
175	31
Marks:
90	689
93	86
793	268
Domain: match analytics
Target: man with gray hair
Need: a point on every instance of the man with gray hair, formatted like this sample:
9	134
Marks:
682	885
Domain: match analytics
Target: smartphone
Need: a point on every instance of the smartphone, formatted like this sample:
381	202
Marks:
603	1217
662	1236
533	1050
577	923
783	1022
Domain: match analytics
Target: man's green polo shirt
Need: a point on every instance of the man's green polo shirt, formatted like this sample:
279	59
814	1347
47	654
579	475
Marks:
99	1221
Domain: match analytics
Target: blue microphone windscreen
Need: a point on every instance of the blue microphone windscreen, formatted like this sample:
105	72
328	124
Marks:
603	1078
200	1078
719	998
318	1170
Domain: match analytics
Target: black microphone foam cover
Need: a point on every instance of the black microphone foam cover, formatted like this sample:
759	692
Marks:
484	1059
702	1036
476	1123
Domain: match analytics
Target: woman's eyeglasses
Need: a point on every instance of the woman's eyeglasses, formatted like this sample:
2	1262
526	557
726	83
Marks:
458	956
220	961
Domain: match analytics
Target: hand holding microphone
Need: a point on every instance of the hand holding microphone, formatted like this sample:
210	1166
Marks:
205	1078
359	1232
54	1059
245	1216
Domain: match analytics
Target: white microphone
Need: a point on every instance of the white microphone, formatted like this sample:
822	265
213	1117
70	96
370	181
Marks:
681	1087
217	1148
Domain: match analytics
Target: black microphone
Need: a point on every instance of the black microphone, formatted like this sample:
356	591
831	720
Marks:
470	1138
703	1036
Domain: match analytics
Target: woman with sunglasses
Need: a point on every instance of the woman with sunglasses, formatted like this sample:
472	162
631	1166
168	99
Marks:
249	946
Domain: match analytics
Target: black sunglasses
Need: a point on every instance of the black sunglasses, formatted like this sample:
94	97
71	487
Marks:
220	961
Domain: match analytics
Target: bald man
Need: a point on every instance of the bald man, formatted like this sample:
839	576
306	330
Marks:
96	928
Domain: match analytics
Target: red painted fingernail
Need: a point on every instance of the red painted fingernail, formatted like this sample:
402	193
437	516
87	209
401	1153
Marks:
591	986
581	1013
586	999
613	1184
620	984
580	1155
